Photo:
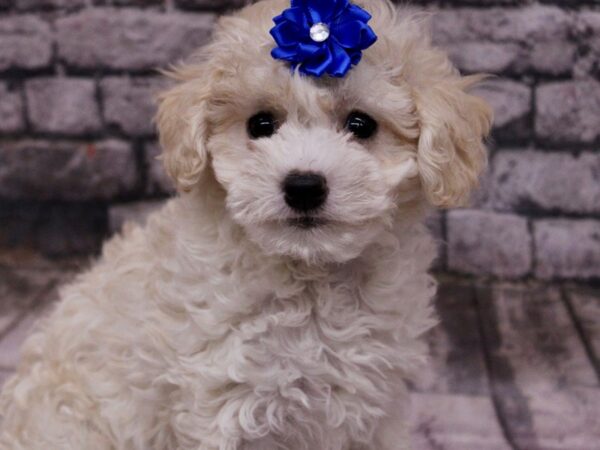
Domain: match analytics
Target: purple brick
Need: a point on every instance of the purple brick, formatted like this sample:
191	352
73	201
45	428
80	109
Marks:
488	57
488	243
567	248
522	25
482	195
211	4
130	39
508	39
49	4
511	102
568	112
129	103
25	43
135	3
11	109
589	28
63	105
547	181
553	57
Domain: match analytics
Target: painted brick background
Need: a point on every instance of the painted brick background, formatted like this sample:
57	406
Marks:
77	146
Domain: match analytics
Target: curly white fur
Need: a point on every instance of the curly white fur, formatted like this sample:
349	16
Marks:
219	326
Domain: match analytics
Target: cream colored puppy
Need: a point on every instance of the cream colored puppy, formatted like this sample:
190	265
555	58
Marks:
278	302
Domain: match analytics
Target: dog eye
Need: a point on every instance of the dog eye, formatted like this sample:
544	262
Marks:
262	125
361	125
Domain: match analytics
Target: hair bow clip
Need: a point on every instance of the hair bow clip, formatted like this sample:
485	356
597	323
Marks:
322	36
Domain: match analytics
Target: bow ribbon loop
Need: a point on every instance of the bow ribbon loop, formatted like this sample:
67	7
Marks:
322	36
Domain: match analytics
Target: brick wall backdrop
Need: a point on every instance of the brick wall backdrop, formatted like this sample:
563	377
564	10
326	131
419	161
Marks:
77	146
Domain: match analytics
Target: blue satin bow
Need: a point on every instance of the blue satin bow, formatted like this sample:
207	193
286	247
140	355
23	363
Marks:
344	34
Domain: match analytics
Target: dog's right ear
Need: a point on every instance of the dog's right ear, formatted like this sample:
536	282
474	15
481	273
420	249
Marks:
182	126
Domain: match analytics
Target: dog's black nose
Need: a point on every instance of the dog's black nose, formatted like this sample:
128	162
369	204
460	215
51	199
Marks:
305	191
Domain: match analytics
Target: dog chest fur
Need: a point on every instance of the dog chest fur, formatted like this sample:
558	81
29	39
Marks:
281	348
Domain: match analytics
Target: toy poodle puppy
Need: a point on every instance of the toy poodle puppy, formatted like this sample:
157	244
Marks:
279	301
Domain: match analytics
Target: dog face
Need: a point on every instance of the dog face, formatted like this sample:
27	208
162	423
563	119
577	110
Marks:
316	168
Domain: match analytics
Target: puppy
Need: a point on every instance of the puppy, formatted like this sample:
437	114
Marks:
278	302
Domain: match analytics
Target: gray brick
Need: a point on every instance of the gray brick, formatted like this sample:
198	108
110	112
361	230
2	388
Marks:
547	181
568	112
211	4
158	181
47	170
129	103
130	39
553	58
63	105
488	243
567	248
522	25
11	109
435	224
46	4
137	213
508	39
590	20
589	27
25	43
136	3
511	102
487	57
482	194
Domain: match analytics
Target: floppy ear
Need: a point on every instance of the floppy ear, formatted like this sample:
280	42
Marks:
451	152
182	126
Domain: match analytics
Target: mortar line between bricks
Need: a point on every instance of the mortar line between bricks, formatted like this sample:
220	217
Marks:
487	360
25	109
139	149
589	350
444	252
533	113
532	247
100	100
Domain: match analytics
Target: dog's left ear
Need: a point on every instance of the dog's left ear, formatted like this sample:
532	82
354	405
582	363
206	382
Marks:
451	152
182	126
